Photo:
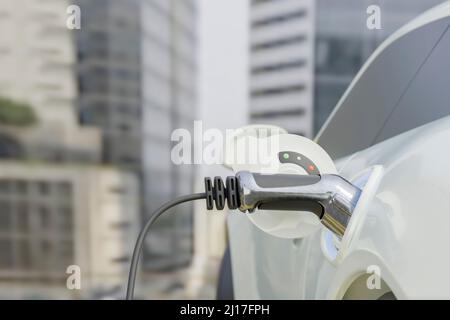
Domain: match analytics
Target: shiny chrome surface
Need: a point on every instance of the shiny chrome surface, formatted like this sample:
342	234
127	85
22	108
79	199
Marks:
336	196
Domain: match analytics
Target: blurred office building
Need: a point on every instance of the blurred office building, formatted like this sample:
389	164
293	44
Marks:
59	206
37	59
137	82
169	101
56	216
304	54
282	64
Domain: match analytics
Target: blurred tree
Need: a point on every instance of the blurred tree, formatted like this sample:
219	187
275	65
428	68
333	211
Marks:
16	113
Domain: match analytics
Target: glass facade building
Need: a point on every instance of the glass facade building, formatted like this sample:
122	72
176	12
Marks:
169	71
108	47
137	81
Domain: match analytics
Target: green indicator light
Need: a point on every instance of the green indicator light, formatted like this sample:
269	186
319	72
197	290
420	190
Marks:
286	155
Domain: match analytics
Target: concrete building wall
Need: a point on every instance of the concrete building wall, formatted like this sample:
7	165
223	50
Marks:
56	216
37	59
54	213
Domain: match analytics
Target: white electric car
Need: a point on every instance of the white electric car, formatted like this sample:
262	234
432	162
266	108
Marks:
390	136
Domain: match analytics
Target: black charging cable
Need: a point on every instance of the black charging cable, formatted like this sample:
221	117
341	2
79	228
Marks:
215	193
143	233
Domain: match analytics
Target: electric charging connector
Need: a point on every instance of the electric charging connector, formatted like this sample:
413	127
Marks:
329	196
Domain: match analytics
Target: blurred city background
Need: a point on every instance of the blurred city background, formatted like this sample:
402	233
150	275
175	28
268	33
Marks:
86	117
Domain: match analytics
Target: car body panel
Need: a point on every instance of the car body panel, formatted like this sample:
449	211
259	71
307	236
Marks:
402	230
391	122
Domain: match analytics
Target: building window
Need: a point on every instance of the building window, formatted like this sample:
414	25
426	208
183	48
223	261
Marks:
279	67
279	19
36	228
278	43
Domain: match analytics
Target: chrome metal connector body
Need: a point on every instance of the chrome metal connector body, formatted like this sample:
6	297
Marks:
331	197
